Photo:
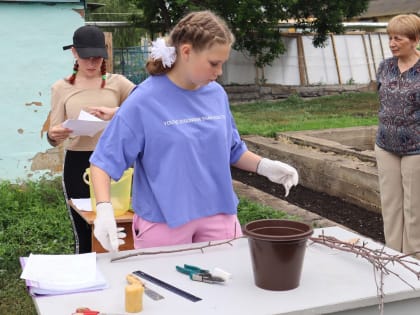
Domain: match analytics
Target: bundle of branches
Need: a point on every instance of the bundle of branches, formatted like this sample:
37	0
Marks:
379	258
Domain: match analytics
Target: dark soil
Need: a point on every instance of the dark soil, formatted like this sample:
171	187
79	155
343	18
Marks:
365	222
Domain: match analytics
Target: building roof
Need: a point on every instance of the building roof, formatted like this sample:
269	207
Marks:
378	8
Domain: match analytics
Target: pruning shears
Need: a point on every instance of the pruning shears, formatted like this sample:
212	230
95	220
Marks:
198	274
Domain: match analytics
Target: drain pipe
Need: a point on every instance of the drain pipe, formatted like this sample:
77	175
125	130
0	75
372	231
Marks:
346	25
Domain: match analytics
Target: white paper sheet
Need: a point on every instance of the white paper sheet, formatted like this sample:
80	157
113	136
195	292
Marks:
83	115
82	204
60	270
44	288
85	125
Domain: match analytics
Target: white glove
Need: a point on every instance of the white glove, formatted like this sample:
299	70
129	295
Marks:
105	229
278	172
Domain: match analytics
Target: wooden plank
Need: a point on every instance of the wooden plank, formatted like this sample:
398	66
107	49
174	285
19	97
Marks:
303	74
367	57
337	65
109	61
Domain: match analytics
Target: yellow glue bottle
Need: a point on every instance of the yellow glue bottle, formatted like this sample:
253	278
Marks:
134	295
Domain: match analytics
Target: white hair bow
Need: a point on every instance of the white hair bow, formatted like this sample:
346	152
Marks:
161	51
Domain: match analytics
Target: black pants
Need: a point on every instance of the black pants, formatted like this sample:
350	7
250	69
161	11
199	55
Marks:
75	165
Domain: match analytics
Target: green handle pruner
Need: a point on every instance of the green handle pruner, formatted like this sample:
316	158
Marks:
198	274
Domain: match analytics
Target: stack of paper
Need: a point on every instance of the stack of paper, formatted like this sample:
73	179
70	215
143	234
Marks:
82	203
85	125
61	274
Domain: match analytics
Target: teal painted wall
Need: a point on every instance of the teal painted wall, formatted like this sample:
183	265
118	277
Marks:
31	59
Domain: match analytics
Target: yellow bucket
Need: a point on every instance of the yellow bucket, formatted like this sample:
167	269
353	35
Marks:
120	192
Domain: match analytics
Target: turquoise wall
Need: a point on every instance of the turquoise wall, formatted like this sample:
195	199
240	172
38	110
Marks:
31	59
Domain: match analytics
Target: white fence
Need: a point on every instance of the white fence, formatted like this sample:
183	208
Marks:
345	59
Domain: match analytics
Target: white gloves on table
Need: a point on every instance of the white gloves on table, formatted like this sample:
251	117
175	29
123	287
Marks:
278	172
105	229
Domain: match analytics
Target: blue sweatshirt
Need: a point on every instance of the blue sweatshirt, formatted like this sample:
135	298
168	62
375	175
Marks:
181	144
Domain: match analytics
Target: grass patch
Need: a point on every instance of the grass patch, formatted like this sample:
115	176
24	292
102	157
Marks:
296	113
250	211
33	219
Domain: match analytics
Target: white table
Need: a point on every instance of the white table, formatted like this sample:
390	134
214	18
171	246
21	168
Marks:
332	282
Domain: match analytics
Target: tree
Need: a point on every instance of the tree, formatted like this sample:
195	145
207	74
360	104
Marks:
119	10
324	16
255	22
160	16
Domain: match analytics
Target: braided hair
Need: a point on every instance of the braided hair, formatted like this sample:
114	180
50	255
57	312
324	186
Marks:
103	73
72	78
201	29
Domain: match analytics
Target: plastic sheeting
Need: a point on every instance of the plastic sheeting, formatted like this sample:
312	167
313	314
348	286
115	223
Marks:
345	59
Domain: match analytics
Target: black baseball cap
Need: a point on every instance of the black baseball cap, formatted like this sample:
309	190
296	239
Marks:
89	41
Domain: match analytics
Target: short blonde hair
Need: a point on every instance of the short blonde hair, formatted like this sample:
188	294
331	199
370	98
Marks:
405	24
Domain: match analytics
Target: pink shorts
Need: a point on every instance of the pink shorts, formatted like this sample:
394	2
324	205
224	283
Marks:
217	227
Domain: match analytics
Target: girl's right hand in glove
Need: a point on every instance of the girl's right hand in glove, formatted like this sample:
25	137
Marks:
105	228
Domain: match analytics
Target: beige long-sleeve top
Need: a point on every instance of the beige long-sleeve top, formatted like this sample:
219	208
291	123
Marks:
67	101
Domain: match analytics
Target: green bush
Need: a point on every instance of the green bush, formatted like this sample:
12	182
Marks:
250	211
33	219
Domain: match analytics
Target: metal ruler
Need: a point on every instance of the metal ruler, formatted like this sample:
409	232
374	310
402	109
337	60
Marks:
167	286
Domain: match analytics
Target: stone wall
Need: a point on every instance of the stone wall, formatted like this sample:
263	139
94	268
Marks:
248	93
347	178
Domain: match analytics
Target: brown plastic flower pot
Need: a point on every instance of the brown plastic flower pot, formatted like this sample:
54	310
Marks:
277	252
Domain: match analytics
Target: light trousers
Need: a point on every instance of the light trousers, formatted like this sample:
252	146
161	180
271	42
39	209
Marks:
217	227
399	184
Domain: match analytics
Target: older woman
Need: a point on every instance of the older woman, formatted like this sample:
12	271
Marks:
398	139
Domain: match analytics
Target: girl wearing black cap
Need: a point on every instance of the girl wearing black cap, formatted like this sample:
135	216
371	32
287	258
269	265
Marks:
88	88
